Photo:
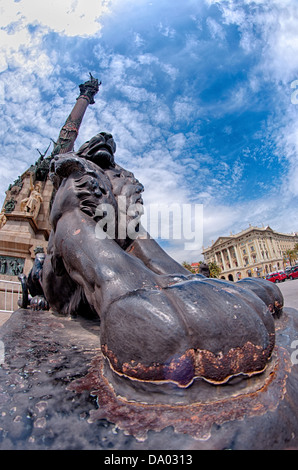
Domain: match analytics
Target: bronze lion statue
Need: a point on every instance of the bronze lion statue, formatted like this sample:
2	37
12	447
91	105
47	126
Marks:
159	323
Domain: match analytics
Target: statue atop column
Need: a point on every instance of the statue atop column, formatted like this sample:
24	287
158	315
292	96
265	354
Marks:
89	89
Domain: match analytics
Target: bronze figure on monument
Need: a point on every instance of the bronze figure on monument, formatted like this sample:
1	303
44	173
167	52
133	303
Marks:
135	279
31	204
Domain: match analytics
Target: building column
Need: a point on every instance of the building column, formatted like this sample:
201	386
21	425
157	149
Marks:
248	254
270	256
223	260
229	257
240	264
258	251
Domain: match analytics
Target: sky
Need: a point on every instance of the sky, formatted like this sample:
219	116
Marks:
201	97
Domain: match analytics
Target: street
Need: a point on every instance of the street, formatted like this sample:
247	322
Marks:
289	290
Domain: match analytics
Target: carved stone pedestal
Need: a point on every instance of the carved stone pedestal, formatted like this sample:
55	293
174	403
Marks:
23	232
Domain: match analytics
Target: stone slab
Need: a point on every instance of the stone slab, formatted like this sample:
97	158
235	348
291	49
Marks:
53	396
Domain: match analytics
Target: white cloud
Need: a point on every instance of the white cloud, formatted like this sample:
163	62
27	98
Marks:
216	30
138	94
20	47
268	30
73	18
139	41
288	146
270	27
184	109
166	30
237	171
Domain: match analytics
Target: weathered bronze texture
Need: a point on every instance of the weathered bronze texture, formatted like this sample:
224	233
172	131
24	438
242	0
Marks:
158	323
32	285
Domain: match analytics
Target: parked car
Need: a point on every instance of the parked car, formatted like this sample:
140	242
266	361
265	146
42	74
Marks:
293	274
276	277
288	270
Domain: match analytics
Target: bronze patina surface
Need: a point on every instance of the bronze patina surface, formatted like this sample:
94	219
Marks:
158	322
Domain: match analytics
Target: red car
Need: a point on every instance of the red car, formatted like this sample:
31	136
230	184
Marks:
276	277
293	274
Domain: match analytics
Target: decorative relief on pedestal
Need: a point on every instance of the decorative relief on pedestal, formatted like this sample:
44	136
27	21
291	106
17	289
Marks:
10	205
11	266
3	219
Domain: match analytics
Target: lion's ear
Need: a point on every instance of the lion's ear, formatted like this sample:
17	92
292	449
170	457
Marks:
64	166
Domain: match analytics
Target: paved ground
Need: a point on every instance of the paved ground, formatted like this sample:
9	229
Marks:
289	290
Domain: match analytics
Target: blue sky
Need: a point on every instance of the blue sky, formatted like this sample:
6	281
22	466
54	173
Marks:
197	94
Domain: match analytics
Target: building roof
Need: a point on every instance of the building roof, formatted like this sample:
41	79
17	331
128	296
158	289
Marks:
222	239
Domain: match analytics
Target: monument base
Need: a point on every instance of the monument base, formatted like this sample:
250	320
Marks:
56	394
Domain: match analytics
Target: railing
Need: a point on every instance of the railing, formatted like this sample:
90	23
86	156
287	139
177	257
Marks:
10	292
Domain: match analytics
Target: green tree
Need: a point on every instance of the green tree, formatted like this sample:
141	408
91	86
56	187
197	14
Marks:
214	269
188	266
291	255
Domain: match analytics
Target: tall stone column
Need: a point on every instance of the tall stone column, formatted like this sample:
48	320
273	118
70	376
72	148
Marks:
223	259
70	130
258	250
238	256
229	257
